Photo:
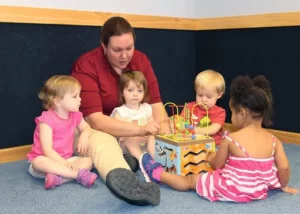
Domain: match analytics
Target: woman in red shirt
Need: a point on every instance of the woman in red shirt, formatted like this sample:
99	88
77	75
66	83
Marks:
98	72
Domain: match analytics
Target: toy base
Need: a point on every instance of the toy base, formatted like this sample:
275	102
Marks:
184	156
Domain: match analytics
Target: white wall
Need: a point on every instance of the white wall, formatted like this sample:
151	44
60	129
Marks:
220	8
174	8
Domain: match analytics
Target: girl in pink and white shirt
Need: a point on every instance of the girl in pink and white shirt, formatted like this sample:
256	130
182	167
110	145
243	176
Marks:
51	156
135	109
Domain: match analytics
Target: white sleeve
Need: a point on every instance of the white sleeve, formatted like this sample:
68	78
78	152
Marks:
114	112
148	108
122	110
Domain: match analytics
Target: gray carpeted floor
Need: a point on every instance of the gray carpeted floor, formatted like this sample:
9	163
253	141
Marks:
20	193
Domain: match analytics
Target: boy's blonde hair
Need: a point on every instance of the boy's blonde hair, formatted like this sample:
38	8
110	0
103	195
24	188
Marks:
210	77
136	77
56	87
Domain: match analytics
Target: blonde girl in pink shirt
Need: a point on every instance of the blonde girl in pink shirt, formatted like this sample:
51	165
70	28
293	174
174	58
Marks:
51	157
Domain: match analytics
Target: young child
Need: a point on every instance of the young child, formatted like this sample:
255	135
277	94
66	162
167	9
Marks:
51	154
135	109
250	161
209	87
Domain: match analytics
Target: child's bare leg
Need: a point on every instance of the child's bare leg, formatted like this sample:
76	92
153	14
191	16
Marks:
151	151
133	146
146	162
43	164
58	173
178	182
151	146
82	163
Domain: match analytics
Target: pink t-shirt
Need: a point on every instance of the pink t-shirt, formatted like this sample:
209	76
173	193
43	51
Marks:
63	131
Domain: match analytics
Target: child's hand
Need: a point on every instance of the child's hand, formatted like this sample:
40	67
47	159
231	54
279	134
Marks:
290	190
83	144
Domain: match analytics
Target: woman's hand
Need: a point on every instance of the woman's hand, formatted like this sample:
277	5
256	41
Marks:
151	128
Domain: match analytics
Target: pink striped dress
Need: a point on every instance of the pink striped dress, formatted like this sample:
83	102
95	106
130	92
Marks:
241	179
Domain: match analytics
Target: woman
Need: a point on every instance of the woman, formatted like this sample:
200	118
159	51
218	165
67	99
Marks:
98	72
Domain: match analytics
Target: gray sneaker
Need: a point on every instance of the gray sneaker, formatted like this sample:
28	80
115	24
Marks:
132	162
125	185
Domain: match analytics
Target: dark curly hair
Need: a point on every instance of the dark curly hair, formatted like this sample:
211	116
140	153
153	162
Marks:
255	95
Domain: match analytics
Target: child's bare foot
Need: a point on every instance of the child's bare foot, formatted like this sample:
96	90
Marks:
290	190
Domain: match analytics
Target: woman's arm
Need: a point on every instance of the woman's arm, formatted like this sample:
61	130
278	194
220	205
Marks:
115	127
118	128
92	105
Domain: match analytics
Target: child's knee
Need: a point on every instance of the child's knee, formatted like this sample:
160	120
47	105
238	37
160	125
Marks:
89	162
38	162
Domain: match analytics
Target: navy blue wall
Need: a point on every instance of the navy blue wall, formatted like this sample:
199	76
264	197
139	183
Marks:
29	54
274	52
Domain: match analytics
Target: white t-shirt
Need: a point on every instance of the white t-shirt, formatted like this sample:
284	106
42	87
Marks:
139	117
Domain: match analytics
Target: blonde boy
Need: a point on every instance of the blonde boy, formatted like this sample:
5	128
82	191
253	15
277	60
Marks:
209	87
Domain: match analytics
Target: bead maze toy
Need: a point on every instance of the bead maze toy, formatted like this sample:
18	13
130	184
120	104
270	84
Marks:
184	152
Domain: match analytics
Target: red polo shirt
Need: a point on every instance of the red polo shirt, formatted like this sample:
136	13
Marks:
100	83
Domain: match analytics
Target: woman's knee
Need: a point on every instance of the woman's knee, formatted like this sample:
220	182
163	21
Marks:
99	142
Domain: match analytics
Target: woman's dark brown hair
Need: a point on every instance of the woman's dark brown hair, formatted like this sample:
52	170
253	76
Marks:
115	26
